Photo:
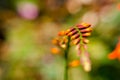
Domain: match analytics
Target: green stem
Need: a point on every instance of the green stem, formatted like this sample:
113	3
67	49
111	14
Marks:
66	59
81	42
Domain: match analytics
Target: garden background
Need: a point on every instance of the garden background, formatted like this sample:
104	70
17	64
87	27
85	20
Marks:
27	28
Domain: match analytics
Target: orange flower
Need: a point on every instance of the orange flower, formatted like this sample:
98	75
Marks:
116	53
118	6
74	63
55	50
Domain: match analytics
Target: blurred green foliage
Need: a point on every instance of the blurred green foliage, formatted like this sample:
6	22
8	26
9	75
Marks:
25	42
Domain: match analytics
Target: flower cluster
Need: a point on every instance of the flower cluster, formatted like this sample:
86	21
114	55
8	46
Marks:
79	33
77	36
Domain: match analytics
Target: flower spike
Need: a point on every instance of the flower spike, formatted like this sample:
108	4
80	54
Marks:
76	35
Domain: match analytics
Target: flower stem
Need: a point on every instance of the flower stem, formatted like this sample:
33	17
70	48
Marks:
66	59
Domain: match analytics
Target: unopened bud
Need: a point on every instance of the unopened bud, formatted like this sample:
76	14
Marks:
86	24
76	41
61	33
69	30
86	41
72	33
75	36
86	30
86	34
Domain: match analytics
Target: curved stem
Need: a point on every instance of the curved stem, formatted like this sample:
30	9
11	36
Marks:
66	59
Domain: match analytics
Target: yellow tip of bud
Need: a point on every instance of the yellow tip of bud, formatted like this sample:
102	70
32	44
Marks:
63	46
89	29
67	30
75	42
70	33
86	34
73	37
86	41
85	24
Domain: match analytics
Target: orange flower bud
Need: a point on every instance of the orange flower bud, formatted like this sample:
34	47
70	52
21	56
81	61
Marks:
85	24
82	27
75	36
74	63
55	41
86	41
61	33
69	30
76	41
86	34
86	30
72	33
55	50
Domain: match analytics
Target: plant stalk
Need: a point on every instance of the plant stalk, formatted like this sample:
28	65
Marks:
66	59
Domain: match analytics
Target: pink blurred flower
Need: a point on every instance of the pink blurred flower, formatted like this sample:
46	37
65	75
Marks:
84	57
27	10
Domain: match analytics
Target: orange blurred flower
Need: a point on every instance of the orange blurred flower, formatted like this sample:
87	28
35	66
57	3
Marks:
118	6
74	63
55	50
116	52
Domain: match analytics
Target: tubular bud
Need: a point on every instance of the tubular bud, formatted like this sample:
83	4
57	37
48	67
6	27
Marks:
82	27
86	41
69	30
75	36
86	34
86	30
85	24
76	41
72	33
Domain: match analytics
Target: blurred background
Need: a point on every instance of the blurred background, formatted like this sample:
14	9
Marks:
28	26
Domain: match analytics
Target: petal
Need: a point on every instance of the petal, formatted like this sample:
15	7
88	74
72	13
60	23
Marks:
112	55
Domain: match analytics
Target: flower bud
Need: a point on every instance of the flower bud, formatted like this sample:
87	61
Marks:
72	33
55	50
86	34
86	30
63	46
76	41
69	30
85	24
75	36
86	41
61	33
55	41
82	27
74	63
